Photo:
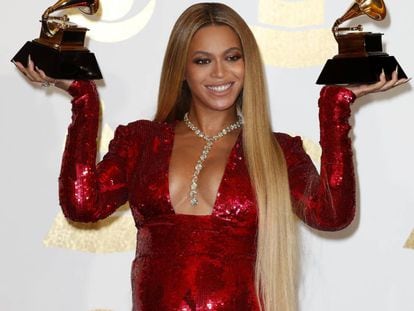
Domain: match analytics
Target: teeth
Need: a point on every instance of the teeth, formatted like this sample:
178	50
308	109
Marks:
220	88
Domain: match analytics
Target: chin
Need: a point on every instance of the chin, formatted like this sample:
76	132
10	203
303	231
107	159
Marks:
222	104
221	107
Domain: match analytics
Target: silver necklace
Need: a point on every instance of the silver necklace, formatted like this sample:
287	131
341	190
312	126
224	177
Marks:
206	149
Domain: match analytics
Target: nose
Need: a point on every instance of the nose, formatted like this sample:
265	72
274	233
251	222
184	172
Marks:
218	69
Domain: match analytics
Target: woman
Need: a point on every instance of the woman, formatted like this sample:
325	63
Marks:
210	186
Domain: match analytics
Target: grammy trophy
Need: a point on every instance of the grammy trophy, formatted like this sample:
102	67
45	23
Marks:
60	50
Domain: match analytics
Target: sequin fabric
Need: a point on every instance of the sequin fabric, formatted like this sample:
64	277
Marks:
197	263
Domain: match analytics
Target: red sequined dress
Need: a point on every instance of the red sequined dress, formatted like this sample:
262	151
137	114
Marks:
197	263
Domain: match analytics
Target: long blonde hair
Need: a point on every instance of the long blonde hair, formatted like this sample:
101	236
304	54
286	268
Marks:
275	271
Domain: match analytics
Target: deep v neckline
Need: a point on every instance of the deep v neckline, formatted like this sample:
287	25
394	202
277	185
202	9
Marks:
167	174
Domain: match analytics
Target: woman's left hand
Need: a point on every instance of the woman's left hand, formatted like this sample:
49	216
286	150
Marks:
381	86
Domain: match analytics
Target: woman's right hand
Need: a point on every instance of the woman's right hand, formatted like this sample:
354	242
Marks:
35	74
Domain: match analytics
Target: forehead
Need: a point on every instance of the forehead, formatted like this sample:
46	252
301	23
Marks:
215	38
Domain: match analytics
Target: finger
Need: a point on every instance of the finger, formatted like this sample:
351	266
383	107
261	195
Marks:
23	70
30	63
33	72
46	81
375	87
390	83
383	84
20	66
394	81
43	76
41	73
402	81
34	75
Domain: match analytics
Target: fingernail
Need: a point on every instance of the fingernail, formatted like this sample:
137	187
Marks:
403	81
396	69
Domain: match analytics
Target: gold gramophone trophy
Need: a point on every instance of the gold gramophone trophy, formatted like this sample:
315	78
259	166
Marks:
360	58
60	50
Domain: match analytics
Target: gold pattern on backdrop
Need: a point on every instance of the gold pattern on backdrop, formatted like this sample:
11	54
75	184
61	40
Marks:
313	149
410	242
291	48
113	234
109	25
291	13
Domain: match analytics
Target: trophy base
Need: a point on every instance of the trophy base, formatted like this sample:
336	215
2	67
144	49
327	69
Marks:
76	65
359	70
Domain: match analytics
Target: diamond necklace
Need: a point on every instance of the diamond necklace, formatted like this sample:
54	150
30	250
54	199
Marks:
206	149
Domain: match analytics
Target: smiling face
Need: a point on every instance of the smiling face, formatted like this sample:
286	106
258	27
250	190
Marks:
215	68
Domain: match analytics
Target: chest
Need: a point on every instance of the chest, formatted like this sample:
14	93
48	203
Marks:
150	193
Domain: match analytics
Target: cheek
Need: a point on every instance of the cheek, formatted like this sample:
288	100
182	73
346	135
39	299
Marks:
239	71
240	75
192	75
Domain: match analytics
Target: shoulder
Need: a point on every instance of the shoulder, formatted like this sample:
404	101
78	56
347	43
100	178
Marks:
132	137
143	127
292	146
287	141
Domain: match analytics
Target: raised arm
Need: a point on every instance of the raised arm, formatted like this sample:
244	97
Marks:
90	192
327	201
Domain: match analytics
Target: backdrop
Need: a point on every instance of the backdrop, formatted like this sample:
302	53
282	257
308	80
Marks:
49	264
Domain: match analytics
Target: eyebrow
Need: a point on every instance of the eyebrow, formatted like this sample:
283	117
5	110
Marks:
209	54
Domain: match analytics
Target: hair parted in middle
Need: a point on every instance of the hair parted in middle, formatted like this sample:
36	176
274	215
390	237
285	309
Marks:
275	271
174	94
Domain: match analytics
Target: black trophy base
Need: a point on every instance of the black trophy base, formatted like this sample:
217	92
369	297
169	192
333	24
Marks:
74	65
359	70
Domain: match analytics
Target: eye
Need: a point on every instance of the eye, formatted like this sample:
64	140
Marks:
202	61
234	58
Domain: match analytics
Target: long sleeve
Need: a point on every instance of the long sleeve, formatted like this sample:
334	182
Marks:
326	201
89	192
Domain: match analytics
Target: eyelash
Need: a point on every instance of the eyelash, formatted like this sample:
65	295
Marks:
234	58
201	61
205	61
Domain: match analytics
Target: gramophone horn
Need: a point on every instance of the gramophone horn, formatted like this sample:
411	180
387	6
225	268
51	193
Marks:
374	9
89	7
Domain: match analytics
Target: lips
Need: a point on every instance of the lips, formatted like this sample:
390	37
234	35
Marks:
220	88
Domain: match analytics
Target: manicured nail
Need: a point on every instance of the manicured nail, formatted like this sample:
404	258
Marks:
403	81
